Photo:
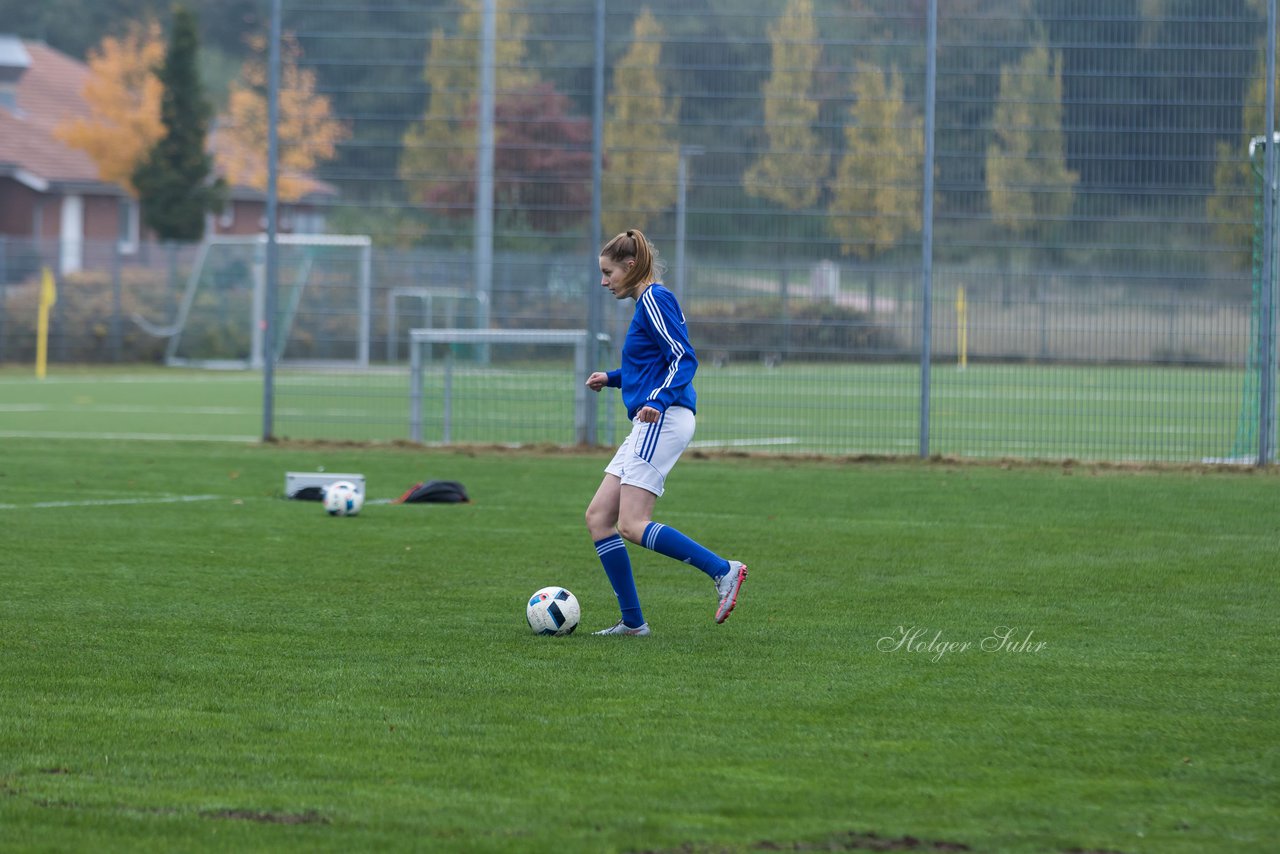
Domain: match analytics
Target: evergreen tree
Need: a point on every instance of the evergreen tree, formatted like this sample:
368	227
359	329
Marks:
175	181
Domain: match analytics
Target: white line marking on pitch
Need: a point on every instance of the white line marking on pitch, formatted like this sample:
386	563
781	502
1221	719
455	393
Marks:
202	379
126	409
111	502
146	437
745	443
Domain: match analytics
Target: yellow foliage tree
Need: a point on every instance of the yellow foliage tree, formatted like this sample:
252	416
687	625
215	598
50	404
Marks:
308	132
792	170
876	198
436	148
1029	184
123	94
641	159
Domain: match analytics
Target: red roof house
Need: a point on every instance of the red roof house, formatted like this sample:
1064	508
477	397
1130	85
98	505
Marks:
50	194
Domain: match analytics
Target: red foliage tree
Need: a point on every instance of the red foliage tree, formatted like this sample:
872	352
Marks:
541	164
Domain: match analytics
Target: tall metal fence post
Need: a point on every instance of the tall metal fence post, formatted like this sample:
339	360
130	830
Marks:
272	274
415	389
595	296
4	287
1267	294
682	212
926	241
484	170
117	301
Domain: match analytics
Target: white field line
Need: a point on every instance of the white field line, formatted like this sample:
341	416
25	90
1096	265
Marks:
158	499
137	409
185	379
112	502
126	409
138	437
745	443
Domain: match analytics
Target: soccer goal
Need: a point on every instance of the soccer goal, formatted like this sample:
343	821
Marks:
504	396
324	304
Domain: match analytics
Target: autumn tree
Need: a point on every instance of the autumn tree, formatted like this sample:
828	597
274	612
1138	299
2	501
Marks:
792	170
307	131
175	180
641	158
877	193
541	156
440	149
123	94
1029	184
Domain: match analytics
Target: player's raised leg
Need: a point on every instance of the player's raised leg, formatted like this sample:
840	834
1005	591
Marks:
635	523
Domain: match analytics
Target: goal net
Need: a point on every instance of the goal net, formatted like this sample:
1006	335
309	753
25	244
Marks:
323	303
489	400
1261	361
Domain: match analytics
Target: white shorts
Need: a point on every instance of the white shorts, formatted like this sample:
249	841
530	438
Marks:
649	453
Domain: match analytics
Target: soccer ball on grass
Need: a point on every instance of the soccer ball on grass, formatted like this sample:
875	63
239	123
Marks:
553	611
341	498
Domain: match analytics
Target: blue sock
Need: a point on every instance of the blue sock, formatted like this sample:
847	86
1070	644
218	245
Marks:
673	544
617	565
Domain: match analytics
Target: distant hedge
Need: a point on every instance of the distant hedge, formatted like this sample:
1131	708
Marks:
805	329
80	322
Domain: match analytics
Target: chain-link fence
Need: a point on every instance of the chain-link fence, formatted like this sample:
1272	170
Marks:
1095	240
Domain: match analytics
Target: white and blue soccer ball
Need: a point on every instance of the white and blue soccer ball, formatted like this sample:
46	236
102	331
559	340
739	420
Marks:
553	611
342	498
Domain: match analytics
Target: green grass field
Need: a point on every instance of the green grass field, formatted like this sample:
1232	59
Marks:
1184	415
190	662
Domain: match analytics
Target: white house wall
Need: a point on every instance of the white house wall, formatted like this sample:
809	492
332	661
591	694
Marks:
71	235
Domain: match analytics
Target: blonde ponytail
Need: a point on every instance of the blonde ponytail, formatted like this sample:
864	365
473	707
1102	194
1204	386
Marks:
633	245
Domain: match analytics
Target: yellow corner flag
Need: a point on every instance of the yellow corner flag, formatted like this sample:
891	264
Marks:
48	297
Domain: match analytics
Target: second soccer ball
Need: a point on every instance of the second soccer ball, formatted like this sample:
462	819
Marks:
341	498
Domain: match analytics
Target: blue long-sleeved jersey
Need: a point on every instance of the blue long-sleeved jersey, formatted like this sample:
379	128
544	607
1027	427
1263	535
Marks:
658	362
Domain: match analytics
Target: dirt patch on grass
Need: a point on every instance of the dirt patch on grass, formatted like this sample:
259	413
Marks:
857	841
851	840
548	449
263	817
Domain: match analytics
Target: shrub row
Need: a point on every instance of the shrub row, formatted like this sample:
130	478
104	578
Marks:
769	329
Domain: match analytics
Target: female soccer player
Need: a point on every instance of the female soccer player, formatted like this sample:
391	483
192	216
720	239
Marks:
656	379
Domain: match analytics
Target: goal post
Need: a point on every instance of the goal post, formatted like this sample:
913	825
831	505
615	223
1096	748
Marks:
421	339
221	319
